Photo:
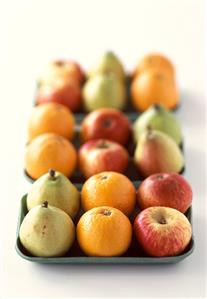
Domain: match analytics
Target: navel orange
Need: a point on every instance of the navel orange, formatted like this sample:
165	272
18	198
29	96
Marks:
155	60
104	231
109	189
50	151
51	118
154	87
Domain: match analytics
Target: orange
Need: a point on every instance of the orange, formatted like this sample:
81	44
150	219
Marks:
154	60
50	151
109	189
51	118
154	87
104	231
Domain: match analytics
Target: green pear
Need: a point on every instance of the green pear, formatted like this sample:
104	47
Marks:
104	91
158	118
108	62
57	190
157	152
47	231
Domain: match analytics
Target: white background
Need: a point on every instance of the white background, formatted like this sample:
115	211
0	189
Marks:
35	32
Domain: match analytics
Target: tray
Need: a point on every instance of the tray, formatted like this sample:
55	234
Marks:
131	172
129	110
134	255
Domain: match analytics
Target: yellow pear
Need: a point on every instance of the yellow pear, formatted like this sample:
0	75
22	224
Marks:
57	190
47	231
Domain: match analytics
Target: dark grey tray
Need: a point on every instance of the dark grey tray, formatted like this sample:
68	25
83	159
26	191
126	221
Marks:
134	255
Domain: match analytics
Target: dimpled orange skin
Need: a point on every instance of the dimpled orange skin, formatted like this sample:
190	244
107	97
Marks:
155	60
51	118
154	87
109	189
50	151
104	231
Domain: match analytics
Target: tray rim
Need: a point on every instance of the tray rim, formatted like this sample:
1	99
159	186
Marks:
100	260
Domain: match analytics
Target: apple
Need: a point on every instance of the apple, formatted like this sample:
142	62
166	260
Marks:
62	91
62	69
107	123
162	231
165	189
104	91
100	155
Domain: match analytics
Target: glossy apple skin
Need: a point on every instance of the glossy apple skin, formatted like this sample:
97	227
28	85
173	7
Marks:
65	92
100	155
75	70
62	69
165	189
106	123
162	239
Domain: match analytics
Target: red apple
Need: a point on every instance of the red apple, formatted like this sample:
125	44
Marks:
102	155
162	231
62	69
63	91
165	189
107	123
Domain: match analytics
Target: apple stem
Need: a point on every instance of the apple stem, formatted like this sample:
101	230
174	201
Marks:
107	123
103	144
159	177
59	62
45	204
163	221
52	173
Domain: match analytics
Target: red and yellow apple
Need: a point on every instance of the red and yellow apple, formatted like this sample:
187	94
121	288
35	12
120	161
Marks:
165	189
107	123
62	91
62	69
100	155
162	231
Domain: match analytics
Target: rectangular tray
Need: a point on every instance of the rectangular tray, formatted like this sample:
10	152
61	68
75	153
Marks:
129	109
131	172
134	255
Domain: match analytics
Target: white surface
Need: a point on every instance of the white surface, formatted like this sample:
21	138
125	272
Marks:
34	32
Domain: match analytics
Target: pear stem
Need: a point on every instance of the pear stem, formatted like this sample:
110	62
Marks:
45	204
52	174
149	128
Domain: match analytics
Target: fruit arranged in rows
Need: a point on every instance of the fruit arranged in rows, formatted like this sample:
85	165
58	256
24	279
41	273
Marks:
104	139
104	85
109	214
103	214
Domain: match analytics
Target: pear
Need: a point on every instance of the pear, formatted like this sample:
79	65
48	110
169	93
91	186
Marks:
104	91
157	152
158	118
47	231
108	62
57	190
